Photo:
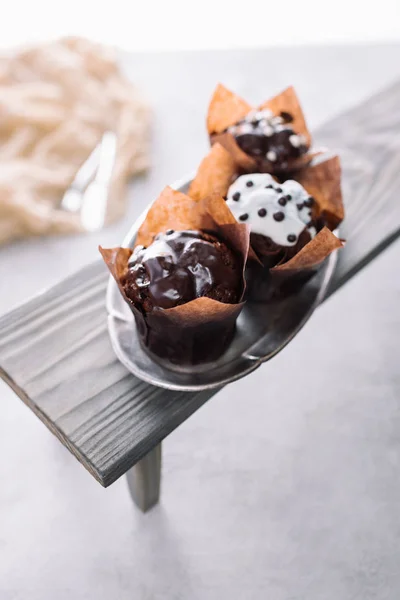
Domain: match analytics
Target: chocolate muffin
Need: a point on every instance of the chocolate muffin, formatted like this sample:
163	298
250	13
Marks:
269	139
184	281
180	266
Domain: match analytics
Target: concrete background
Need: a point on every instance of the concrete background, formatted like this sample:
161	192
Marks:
285	485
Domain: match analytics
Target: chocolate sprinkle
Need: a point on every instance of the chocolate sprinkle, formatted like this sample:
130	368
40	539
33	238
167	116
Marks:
309	202
282	201
269	187
288	197
300	206
279	216
287	117
249	183
291	237
236	196
279	190
262	212
169	232
244	217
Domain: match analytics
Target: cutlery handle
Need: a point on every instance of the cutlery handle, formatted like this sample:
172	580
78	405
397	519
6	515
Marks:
107	158
94	206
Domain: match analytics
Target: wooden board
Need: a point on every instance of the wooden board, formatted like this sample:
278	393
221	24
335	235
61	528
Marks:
55	351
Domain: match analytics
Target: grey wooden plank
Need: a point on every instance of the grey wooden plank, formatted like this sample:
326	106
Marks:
55	352
59	360
367	138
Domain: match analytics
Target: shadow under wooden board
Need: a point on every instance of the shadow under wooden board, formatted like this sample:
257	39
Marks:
55	351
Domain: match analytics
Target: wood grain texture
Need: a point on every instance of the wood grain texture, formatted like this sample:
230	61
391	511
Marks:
55	351
367	139
56	355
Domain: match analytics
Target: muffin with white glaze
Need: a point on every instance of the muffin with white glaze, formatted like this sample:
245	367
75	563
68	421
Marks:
291	221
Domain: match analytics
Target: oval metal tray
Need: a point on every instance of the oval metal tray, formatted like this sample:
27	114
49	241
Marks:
262	331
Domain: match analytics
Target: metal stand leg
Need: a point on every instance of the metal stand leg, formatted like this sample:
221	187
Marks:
144	480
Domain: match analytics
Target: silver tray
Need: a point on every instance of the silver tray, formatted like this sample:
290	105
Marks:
262	331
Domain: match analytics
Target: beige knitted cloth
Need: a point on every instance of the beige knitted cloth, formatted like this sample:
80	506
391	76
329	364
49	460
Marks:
55	103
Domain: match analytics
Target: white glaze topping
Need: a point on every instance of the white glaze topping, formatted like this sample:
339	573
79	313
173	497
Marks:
159	247
280	211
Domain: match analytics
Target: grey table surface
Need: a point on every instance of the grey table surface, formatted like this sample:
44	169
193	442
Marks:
294	495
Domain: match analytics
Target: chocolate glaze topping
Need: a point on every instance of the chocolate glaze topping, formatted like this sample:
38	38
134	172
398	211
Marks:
181	266
269	138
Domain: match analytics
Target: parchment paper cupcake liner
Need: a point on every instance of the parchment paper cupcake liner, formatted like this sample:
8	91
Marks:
200	330
322	180
227	108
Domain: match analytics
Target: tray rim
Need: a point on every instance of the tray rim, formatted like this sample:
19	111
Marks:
254	360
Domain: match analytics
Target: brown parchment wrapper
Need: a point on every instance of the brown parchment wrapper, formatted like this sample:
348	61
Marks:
322	181
265	284
175	210
227	108
287	101
312	254
200	330
215	174
244	163
223	164
297	265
